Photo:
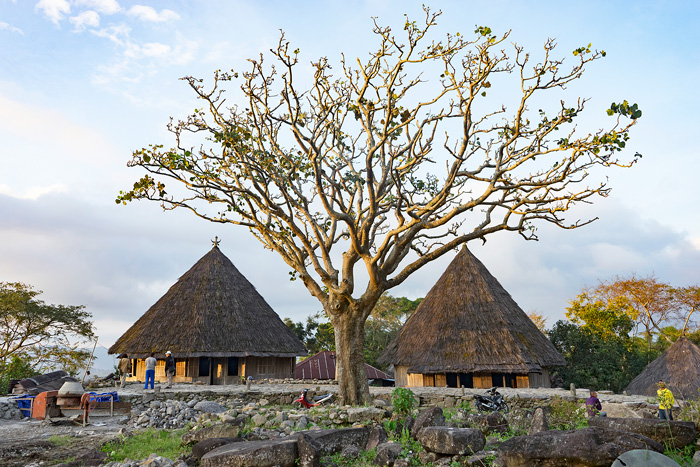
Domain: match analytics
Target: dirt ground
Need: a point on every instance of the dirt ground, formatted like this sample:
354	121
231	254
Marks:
32	443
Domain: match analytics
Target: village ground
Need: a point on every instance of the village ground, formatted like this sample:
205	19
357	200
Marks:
27	442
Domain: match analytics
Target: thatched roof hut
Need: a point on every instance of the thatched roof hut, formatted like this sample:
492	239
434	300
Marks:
469	324
679	367
212	311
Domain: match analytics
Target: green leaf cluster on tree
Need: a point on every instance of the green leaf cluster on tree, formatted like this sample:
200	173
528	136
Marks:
385	163
36	337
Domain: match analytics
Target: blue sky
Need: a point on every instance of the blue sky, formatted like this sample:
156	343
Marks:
83	83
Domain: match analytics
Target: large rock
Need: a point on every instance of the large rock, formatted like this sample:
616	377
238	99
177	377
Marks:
671	434
645	458
432	416
269	453
539	422
209	407
218	430
377	435
588	447
451	441
209	444
314	445
387	453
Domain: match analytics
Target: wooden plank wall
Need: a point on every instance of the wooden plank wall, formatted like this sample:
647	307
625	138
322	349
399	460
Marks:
540	380
522	381
483	381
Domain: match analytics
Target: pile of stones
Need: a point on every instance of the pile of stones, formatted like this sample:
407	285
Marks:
9	410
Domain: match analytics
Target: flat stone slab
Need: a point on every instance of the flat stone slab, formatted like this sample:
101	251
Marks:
644	458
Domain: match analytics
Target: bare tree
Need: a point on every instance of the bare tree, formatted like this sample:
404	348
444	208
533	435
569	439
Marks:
687	300
335	176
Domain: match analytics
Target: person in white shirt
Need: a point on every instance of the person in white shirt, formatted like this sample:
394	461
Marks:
151	363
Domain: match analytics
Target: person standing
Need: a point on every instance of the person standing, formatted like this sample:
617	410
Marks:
169	368
666	401
150	363
593	406
123	366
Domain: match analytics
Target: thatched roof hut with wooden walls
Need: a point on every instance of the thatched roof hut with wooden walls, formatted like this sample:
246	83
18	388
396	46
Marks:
679	367
469	332
217	326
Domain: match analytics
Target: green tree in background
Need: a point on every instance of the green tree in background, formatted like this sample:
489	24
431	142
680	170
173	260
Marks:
46	337
380	328
387	162
596	360
14	368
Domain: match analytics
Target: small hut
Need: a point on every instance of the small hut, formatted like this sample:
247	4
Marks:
217	326
322	366
469	332
679	367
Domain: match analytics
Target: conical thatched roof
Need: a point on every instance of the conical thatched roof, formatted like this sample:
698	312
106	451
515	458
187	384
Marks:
213	311
469	323
679	367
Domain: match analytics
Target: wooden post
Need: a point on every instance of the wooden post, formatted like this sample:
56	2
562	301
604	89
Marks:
89	361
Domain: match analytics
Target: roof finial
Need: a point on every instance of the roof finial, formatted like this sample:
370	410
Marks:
216	241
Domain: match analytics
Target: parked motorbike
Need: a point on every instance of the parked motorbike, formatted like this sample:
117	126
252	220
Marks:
492	402
318	400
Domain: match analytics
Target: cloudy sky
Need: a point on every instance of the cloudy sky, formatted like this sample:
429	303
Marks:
83	83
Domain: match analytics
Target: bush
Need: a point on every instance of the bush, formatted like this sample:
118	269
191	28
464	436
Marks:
567	415
403	401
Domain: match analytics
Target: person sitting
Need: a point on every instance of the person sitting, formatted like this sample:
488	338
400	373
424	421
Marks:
593	406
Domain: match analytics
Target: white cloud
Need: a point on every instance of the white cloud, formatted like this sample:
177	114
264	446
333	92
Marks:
153	49
119	34
147	13
84	20
107	7
34	192
8	27
54	10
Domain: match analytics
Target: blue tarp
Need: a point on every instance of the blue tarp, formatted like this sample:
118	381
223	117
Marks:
25	405
104	396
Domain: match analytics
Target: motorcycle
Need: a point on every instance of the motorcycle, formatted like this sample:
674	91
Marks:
318	400
491	403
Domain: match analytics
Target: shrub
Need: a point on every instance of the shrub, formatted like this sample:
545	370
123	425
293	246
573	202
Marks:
403	401
567	415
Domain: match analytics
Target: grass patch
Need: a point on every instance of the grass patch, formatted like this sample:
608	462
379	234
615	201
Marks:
142	444
60	440
365	459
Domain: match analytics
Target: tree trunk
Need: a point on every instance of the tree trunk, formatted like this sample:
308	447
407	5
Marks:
350	361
